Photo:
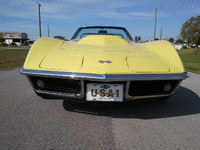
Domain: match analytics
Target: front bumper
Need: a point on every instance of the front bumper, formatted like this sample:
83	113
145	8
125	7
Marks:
83	78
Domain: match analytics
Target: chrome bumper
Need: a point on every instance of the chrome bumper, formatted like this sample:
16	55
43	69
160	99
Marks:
103	77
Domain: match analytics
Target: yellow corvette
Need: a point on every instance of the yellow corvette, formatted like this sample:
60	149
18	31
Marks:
104	64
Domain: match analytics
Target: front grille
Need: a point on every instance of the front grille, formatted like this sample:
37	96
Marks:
144	88
57	84
136	88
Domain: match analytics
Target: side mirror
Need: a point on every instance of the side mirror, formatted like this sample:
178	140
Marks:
137	38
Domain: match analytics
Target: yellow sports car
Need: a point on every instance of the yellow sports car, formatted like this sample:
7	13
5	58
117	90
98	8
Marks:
104	64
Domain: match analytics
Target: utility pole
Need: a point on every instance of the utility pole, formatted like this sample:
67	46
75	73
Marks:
161	34
155	24
39	5
48	30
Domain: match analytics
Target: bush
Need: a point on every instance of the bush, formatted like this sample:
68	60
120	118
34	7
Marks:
184	47
13	44
3	44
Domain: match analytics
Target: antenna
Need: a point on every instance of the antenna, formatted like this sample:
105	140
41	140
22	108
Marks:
48	30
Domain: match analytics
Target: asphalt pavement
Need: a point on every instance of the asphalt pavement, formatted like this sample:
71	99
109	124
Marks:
30	122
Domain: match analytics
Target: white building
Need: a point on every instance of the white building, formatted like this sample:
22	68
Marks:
177	46
18	38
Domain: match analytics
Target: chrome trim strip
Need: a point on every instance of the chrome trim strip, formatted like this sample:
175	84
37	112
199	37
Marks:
127	89
144	97
105	77
72	95
82	89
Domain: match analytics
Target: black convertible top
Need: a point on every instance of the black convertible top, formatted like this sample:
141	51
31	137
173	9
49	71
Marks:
111	27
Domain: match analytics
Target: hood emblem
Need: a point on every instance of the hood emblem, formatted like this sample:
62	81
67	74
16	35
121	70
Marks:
101	61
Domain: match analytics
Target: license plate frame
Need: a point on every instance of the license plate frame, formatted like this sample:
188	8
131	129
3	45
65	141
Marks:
104	92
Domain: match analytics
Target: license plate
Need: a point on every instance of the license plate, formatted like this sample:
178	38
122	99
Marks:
105	92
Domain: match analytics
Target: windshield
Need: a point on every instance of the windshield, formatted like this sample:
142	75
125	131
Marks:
83	32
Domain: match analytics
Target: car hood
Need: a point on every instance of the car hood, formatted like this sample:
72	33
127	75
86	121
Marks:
101	59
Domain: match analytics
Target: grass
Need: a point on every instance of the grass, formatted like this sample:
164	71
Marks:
190	59
12	58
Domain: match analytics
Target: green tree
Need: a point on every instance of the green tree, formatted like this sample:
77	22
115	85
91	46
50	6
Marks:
59	37
180	41
156	39
171	40
1	37
191	30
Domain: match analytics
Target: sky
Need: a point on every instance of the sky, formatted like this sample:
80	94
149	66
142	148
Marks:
64	17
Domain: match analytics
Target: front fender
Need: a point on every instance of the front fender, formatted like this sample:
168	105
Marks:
168	53
39	50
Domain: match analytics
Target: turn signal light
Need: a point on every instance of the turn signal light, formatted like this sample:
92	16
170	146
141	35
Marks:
40	83
167	87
